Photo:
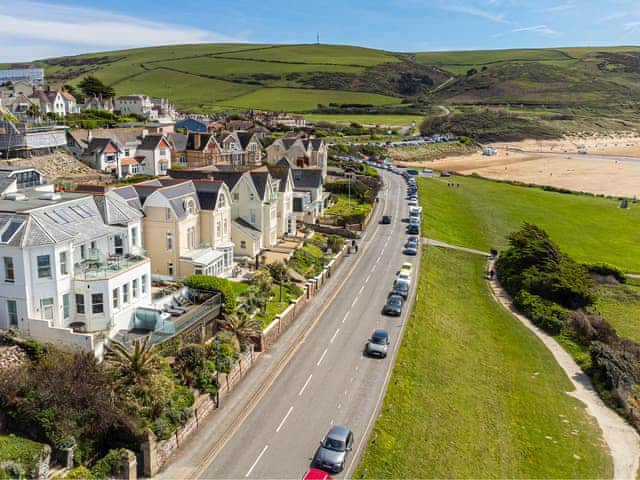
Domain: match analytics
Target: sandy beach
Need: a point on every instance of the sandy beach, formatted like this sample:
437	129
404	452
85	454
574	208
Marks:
564	168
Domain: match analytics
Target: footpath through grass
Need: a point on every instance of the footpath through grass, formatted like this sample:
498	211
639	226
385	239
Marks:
474	394
481	213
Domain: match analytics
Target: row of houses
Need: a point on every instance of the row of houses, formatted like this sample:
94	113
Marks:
25	99
78	265
125	151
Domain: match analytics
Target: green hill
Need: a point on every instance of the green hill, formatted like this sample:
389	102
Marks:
213	77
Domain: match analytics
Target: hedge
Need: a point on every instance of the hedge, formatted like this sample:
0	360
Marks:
215	284
545	314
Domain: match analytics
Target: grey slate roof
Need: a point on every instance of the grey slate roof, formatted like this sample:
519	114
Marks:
280	173
230	178
207	191
191	141
99	144
247	228
130	195
288	142
260	180
285	162
116	211
244	138
176	195
150	142
307	177
179	141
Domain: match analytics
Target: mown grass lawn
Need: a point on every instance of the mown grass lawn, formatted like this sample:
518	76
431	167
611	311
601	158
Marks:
386	120
481	213
620	305
21	450
344	207
474	394
275	306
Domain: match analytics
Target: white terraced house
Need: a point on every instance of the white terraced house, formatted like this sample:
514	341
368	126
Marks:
72	270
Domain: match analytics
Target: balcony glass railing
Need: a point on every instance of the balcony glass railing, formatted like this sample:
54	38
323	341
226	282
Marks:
94	268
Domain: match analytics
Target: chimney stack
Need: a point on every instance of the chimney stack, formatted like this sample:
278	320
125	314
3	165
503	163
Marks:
196	140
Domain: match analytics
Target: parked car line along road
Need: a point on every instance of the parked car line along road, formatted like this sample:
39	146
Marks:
329	380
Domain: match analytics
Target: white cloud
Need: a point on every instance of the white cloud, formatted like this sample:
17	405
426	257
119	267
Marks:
561	7
542	29
79	28
632	27
475	11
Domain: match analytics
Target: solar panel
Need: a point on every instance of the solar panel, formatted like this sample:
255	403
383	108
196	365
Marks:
10	230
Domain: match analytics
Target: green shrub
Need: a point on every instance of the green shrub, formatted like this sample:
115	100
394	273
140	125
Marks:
189	364
79	473
534	263
605	270
108	465
215	284
543	313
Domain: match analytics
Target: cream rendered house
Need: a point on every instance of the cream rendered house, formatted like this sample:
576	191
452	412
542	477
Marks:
176	238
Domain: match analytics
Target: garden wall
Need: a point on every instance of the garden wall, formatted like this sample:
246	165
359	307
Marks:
155	454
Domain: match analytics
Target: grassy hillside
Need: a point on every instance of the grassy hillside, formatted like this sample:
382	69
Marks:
474	394
220	76
481	213
589	82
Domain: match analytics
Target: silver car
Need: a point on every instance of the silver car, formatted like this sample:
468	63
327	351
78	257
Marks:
378	344
333	449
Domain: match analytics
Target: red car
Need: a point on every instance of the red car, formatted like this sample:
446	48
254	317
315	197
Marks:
316	474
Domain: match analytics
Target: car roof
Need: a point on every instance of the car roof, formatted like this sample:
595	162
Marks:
316	474
380	333
408	264
339	432
395	296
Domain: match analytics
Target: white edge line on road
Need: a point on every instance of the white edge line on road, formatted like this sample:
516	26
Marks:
334	336
367	280
322	357
373	269
354	302
346	315
284	419
361	290
257	460
305	385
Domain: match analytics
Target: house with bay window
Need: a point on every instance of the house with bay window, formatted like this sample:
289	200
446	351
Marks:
182	235
72	269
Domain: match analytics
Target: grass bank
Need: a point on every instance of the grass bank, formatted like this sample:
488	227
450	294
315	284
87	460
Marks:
620	305
474	394
481	213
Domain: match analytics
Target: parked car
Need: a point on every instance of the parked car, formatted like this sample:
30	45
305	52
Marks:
407	267
378	344
415	219
413	229
333	449
411	250
316	474
393	305
386	219
404	276
401	287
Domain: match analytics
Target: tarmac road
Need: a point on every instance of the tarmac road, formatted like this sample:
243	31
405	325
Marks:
328	380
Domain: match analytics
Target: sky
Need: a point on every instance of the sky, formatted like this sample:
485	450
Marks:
31	30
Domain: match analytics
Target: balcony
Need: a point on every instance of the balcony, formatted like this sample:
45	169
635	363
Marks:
98	266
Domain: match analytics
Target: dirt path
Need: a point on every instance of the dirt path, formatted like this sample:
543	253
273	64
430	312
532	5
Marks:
622	439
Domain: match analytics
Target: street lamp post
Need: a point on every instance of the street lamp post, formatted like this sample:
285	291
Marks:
217	351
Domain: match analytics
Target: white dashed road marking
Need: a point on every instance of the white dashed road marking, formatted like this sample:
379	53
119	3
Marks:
305	385
257	460
284	419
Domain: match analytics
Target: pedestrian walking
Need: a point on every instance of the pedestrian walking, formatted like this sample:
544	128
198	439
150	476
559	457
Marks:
491	274
356	248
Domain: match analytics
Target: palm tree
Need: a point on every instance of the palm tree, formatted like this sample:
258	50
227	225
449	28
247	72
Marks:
242	326
136	365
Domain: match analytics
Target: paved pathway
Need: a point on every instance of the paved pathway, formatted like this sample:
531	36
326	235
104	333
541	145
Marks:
438	243
622	438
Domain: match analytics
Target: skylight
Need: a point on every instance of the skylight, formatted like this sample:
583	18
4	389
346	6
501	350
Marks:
10	229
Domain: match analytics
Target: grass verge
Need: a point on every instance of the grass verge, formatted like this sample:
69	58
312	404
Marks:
474	394
481	213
